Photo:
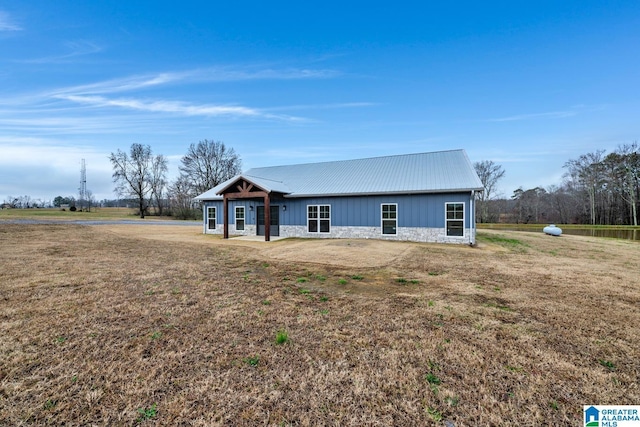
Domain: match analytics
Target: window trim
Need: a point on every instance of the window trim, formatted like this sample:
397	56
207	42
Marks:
209	217
243	219
446	220
383	219
319	218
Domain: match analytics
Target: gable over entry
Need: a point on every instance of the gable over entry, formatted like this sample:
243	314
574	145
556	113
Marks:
245	188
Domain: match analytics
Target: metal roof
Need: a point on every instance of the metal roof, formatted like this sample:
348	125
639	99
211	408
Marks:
434	172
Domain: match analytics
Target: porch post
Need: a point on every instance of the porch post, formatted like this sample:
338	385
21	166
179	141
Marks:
225	204
267	217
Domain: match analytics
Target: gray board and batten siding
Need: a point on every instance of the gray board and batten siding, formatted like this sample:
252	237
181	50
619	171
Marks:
420	186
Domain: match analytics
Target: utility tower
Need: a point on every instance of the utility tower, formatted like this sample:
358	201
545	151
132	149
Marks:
83	183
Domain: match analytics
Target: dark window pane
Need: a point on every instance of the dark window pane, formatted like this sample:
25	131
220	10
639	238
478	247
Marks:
455	228
324	226
240	224
389	227
313	226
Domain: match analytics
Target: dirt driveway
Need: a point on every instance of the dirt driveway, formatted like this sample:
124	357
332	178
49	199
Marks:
541	250
336	252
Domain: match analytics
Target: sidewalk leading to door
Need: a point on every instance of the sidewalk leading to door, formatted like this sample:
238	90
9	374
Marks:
256	238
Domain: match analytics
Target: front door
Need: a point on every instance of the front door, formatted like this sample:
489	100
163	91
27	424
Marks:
275	221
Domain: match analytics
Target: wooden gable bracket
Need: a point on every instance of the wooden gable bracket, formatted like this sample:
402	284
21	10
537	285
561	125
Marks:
245	189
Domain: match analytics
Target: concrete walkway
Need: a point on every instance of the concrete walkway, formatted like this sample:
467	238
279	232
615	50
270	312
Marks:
256	238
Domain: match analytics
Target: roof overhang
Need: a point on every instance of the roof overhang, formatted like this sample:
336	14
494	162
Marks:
218	195
381	193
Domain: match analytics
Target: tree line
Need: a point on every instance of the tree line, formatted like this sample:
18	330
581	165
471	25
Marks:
141	175
597	189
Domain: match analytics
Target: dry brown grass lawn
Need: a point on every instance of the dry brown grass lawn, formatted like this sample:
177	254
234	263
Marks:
153	325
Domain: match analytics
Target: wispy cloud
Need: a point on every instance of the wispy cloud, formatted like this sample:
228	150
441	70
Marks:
325	106
95	107
182	108
548	115
7	24
213	74
48	122
98	94
118	85
126	84
269	73
74	49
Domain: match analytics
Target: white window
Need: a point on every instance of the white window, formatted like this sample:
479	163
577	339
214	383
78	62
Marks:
240	218
318	218
390	218
211	218
454	219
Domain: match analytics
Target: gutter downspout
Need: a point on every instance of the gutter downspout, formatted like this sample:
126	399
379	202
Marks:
204	217
472	238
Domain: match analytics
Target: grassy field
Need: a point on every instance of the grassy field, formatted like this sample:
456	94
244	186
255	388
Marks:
128	325
59	214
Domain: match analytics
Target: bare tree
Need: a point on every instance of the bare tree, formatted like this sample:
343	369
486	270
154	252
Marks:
90	200
181	198
561	203
132	173
588	173
20	202
208	163
489	174
623	168
11	202
158	180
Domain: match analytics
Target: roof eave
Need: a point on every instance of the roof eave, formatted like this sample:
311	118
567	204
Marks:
375	193
383	193
207	199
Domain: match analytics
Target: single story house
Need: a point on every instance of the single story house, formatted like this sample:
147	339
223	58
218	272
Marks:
424	197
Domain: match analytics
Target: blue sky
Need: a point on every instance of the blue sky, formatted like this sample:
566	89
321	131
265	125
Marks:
528	85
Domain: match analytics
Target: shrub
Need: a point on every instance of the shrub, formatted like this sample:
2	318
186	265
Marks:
282	337
252	361
147	413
